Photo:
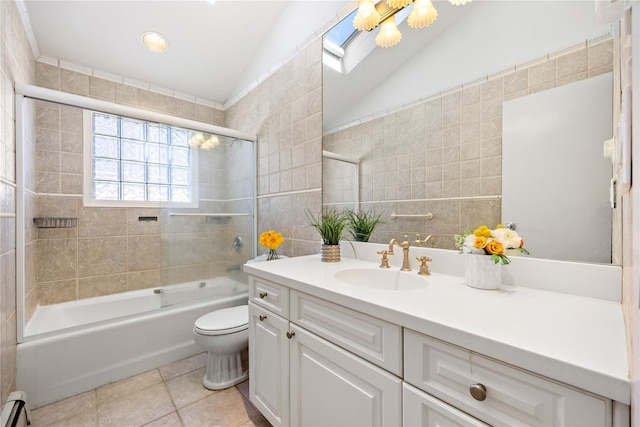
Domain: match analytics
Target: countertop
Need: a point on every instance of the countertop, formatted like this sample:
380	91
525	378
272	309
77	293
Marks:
577	340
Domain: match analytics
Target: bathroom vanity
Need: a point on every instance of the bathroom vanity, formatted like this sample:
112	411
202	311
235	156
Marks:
349	343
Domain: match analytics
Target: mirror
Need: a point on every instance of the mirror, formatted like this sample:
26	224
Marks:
420	124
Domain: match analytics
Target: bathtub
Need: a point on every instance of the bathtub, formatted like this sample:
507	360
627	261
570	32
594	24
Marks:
76	346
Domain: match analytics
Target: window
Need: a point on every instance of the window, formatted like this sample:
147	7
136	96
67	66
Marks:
132	162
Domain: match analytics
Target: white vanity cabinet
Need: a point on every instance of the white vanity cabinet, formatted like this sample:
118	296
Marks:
298	377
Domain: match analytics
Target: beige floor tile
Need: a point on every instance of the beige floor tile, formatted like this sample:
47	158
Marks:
127	386
64	409
183	366
187	389
224	408
244	389
136	409
171	420
258	421
84	419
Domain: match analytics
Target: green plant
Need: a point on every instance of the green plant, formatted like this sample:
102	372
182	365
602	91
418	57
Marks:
330	225
361	224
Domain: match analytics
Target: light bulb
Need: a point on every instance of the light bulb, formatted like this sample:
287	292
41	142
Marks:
367	17
389	35
422	15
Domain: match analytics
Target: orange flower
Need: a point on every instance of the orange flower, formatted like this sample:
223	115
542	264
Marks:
480	242
494	247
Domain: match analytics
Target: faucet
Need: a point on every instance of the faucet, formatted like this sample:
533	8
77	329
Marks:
405	252
419	242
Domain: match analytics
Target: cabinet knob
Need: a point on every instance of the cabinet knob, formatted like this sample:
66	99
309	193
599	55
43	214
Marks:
478	391
290	334
263	295
262	317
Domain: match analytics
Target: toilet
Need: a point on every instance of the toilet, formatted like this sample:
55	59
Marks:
224	335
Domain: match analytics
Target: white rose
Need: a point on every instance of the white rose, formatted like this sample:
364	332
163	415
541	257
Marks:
509	238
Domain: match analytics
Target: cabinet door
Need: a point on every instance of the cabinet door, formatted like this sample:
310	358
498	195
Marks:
420	409
269	365
332	387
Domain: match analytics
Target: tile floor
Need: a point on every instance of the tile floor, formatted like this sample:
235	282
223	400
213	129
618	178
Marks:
170	396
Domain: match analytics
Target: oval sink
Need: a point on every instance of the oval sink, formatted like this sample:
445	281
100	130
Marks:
385	280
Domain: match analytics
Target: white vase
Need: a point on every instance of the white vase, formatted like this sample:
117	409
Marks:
481	272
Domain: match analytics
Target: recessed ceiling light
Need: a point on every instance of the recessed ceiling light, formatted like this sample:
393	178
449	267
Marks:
155	41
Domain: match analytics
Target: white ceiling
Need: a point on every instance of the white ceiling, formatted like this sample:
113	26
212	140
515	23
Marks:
216	51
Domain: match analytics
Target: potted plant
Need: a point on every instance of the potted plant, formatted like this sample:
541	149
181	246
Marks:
330	225
362	223
485	250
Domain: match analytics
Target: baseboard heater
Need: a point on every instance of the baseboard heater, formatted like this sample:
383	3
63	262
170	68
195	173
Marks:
14	412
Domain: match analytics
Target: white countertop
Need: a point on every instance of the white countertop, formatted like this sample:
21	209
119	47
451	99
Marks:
577	340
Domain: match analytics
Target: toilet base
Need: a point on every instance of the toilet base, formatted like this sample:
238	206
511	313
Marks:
224	370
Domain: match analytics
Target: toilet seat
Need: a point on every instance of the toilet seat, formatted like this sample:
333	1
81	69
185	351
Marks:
224	321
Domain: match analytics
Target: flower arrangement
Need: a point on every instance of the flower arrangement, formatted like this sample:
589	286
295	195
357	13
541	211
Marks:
271	240
485	241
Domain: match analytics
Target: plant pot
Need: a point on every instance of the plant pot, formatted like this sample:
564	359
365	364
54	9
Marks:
330	253
481	272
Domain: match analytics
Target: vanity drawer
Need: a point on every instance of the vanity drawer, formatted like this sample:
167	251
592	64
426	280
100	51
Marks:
373	339
511	396
270	295
421	409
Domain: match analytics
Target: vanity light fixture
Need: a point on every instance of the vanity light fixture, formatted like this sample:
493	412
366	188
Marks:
389	35
198	140
155	42
370	16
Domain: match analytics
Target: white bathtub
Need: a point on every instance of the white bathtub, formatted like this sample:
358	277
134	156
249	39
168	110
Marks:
80	345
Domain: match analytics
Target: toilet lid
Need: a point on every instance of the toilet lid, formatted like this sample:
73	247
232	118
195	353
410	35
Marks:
224	321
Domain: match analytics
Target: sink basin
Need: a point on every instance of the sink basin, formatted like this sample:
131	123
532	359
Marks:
384	280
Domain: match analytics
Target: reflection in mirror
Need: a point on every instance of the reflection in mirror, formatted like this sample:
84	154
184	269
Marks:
428	136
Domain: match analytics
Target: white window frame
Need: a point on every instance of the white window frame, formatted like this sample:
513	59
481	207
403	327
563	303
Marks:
89	200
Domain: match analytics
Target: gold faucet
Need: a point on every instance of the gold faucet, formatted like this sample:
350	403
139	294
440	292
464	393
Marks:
405	252
419	242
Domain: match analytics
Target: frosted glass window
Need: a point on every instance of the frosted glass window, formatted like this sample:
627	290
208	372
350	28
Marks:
180	137
132	150
157	133
158	174
106	124
106	190
133	191
106	169
157	153
159	193
104	146
180	156
133	172
139	161
133	129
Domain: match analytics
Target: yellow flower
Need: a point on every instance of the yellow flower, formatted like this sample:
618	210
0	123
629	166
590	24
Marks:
494	247
480	242
271	239
482	231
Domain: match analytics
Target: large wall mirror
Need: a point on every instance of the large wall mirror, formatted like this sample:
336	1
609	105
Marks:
417	131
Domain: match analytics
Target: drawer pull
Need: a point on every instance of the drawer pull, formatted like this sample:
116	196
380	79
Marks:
290	334
263	295
262	317
478	391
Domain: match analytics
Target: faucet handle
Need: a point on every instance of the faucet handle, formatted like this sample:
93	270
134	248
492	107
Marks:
384	262
424	267
419	242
